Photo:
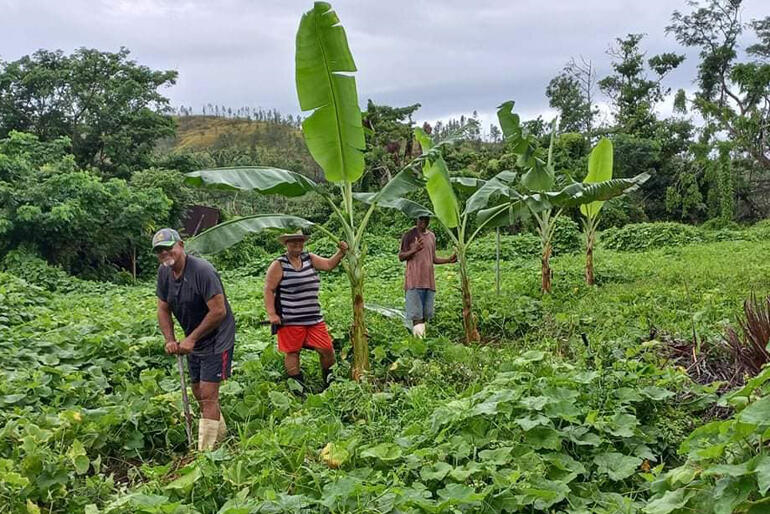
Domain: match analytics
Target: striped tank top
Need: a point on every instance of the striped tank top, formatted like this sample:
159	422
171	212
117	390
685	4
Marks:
298	293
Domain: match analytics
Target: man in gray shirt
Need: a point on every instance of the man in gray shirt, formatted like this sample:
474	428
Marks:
190	287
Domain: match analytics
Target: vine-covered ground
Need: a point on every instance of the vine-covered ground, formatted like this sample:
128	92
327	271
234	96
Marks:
572	403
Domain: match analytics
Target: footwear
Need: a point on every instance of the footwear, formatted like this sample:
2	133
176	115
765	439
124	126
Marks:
300	380
325	372
419	330
207	434
221	428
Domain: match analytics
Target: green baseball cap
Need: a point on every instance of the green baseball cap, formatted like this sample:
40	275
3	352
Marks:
165	238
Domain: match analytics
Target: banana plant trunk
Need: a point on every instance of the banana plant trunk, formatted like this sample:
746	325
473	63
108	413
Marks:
469	322
358	336
545	268
590	240
546	228
590	263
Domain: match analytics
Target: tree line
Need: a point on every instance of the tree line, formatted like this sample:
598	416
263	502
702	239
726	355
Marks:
96	125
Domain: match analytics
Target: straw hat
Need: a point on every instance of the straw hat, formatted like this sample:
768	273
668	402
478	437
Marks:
299	234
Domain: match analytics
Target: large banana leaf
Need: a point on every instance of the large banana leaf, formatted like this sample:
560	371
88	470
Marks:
496	188
538	177
467	184
501	215
264	179
412	209
599	170
440	190
403	183
441	193
230	232
578	193
333	132
509	121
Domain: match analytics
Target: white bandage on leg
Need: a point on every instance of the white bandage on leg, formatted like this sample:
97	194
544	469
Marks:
207	434
221	428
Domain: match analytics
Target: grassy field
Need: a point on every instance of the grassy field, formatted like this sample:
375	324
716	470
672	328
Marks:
531	420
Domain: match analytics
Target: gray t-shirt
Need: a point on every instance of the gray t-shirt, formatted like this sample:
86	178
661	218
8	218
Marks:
187	298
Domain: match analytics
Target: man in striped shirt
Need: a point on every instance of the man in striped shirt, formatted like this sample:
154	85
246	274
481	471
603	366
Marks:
291	302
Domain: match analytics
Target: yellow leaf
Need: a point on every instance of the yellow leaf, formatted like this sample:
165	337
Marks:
334	456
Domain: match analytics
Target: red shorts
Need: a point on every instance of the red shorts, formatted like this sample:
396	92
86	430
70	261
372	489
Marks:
292	338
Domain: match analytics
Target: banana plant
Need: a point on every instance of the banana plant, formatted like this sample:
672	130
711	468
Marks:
492	203
599	170
334	135
547	195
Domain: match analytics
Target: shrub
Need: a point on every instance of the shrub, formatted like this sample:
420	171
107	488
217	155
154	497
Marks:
644	236
621	211
28	265
18	300
171	182
567	237
519	246
726	234
720	224
253	254
379	246
760	230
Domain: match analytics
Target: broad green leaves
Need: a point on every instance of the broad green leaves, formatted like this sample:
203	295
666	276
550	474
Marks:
497	190
538	174
438	185
669	502
386	452
577	194
263	179
230	232
403	183
599	170
509	121
728	469
333	132
616	465
757	413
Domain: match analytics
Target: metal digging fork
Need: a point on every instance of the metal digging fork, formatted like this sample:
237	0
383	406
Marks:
185	402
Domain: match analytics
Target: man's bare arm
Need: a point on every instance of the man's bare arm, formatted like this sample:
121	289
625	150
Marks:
166	324
442	260
165	321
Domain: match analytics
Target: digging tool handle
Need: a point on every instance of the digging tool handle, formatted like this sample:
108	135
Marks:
185	401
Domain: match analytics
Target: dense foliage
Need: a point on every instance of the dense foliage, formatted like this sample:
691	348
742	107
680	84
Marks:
535	419
71	216
624	397
106	104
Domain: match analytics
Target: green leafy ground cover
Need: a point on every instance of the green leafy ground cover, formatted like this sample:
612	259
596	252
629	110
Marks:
532	420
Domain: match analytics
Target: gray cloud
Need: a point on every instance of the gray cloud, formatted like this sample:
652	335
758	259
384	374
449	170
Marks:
451	56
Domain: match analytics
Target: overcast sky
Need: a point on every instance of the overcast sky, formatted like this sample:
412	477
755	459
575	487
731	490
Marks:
451	56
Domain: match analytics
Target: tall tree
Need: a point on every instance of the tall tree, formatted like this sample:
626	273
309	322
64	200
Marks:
734	94
571	93
634	95
389	142
108	105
